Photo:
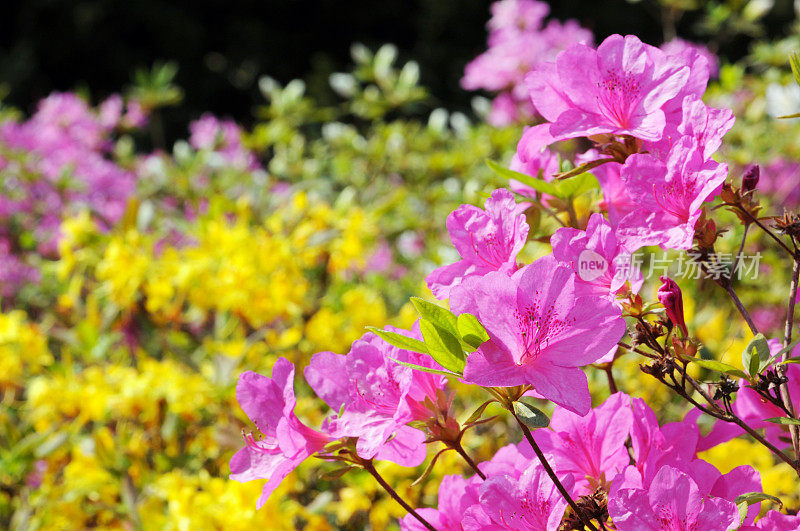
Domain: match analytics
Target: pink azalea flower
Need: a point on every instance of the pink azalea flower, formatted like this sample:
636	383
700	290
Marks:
286	442
531	502
541	332
775	521
673	502
515	16
223	137
518	41
678	46
456	495
379	397
487	240
618	89
695	86
675	445
705	124
591	448
670	195
601	263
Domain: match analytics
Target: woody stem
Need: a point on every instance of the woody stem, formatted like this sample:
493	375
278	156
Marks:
787	340
460	449
369	467
550	472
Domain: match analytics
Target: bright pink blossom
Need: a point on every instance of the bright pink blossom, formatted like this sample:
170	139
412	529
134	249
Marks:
286	442
541	332
487	240
601	263
775	521
678	46
530	502
706	125
518	41
670	195
379	397
591	448
456	495
223	137
672	502
617	89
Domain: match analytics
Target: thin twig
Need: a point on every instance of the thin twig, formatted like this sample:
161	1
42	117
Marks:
612	384
739	254
551	473
460	449
739	306
549	211
765	229
369	467
787	340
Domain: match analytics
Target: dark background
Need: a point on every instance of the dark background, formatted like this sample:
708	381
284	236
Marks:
222	47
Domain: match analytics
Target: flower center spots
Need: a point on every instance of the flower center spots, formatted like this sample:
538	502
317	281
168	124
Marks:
618	96
382	395
537	327
669	520
675	197
264	445
532	514
489	250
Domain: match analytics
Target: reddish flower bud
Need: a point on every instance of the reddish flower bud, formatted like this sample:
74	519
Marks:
669	294
750	178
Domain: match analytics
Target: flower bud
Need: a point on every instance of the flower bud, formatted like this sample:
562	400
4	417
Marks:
669	294
750	178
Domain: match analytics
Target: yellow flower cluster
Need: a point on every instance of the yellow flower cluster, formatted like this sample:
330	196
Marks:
23	349
116	392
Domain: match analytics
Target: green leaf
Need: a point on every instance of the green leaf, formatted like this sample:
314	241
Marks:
429	468
539	185
399	340
717	366
426	369
471	330
742	508
756	355
336	473
479	411
531	416
441	317
794	61
578	185
784	421
744	501
778	355
443	346
583	168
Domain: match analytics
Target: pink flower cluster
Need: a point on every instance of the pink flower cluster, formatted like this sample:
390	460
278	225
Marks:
54	164
224	138
651	474
374	399
655	138
57	160
519	39
544	320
